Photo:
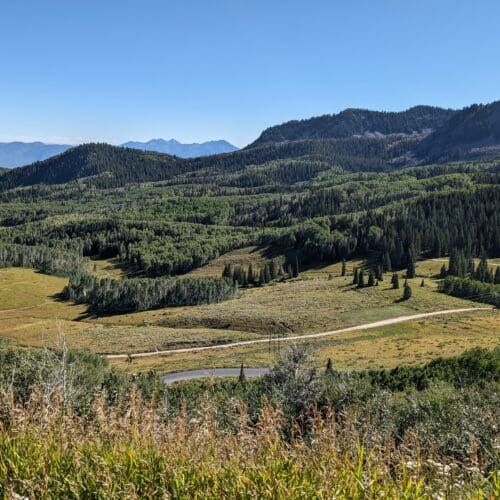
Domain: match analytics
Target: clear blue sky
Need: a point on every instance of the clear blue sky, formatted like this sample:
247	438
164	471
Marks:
109	70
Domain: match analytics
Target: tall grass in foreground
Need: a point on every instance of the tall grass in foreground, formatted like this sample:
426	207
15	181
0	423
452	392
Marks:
46	451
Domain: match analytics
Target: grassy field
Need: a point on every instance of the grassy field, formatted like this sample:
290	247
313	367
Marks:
256	256
319	300
407	343
305	305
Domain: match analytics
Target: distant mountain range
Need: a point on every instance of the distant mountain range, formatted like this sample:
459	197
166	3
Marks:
17	154
175	148
355	139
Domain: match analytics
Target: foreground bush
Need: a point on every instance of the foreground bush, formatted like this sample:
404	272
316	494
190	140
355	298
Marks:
47	452
70	427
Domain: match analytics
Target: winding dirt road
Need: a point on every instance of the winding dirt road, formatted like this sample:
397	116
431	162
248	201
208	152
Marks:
366	326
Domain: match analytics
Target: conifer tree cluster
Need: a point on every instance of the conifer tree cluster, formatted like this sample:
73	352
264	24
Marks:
361	282
271	271
108	295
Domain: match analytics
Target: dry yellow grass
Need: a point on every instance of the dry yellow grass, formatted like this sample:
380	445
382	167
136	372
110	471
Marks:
413	342
30	311
300	306
107	268
29	308
257	256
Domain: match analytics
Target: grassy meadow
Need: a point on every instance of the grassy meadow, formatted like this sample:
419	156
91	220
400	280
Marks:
319	300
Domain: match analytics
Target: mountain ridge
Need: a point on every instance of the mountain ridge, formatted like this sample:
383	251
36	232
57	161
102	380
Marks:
354	121
183	150
19	154
381	142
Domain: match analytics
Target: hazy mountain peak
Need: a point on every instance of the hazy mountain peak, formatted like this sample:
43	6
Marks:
17	153
176	148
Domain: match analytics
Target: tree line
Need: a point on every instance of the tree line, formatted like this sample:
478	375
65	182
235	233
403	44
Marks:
44	259
108	295
271	271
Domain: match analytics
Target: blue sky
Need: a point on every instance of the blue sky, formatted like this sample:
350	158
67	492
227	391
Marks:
84	70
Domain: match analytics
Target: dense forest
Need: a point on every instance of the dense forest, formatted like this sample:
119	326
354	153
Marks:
320	190
109	295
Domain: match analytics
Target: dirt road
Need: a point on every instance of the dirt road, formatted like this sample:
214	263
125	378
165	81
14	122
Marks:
366	326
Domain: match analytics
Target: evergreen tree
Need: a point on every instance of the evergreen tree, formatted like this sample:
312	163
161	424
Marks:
407	292
262	278
395	281
267	274
227	273
422	283
273	270
410	271
250	275
296	267
242	377
497	276
386	262
344	269
371	279
355	276
361	279
443	273
329	367
481	273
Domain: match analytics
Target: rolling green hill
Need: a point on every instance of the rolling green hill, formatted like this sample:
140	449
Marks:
353	140
358	122
473	132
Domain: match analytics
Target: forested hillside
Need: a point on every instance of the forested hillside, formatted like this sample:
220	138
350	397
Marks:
473	132
326	197
358	122
354	140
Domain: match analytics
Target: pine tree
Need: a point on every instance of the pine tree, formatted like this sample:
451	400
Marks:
361	279
422	283
497	276
329	367
410	271
386	262
262	278
371	279
250	275
227	273
355	276
273	270
407	292
395	281
289	270
481	273
267	274
443	273
242	377
344	270
296	267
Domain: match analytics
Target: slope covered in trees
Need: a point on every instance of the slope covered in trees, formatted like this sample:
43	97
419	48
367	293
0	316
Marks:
111	165
354	140
358	122
473	132
311	200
